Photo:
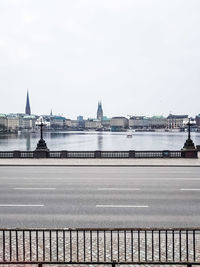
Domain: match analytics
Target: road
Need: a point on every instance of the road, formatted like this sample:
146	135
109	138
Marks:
99	197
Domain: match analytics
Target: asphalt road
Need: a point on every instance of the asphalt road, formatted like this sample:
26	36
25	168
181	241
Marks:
99	197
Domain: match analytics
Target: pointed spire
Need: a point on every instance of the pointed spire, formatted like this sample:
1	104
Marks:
28	109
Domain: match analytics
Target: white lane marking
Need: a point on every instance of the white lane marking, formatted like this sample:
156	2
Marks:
20	205
118	189
34	188
121	206
190	189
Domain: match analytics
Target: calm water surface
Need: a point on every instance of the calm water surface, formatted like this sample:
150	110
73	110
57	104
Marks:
98	141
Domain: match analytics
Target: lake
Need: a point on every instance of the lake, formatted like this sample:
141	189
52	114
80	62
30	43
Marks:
98	140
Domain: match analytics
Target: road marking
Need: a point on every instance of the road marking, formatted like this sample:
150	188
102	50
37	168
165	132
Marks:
20	205
118	189
190	189
34	188
120	206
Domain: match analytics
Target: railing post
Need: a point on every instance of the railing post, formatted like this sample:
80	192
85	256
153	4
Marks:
189	265
97	154
113	263
63	154
166	154
40	264
131	153
16	154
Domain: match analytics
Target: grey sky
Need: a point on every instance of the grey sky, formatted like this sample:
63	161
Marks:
136	56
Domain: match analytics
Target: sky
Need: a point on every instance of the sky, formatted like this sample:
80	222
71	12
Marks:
138	57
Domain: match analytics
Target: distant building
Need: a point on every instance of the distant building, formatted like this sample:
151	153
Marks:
93	124
81	122
118	124
57	122
28	122
176	121
3	123
198	120
28	108
13	122
157	122
138	122
99	111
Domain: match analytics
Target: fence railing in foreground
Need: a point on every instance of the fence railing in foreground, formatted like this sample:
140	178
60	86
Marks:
100	246
100	154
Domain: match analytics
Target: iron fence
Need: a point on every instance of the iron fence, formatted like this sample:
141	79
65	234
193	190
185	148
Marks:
100	246
99	154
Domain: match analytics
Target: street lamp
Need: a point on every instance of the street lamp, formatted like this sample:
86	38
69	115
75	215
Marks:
41	145
189	144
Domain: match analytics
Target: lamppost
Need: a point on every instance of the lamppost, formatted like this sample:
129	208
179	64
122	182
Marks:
41	145
189	144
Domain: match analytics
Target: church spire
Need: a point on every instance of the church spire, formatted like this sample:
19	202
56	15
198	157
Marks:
28	109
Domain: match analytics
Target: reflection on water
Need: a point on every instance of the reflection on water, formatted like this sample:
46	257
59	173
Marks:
97	141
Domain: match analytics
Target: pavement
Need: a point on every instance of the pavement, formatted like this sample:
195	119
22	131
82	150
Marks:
48	196
102	162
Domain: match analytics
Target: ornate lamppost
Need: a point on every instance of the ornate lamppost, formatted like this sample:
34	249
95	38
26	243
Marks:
41	145
189	144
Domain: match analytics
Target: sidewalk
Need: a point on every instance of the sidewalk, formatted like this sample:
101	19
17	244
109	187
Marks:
102	162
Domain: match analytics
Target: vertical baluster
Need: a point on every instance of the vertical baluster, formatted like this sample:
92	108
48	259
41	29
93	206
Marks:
77	246
180	252
194	246
166	245
187	256
70	243
138	245
111	248
104	245
152	244
132	245
159	243
50	246
63	245
173	245
57	245
43	236
30	245
84	246
90	245
98	245
36	245
17	254
4	249
10	242
125	245
118	245
145	237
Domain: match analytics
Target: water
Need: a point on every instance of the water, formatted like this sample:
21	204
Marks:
98	141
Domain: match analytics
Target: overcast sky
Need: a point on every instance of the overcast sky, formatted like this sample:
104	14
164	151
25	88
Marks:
136	56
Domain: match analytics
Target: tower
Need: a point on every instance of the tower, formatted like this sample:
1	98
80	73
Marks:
28	109
99	111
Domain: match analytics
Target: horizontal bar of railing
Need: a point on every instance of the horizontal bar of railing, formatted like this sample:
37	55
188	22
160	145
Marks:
99	154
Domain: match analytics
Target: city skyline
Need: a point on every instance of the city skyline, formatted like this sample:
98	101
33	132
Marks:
137	57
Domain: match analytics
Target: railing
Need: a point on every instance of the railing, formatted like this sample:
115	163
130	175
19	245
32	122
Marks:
100	246
99	154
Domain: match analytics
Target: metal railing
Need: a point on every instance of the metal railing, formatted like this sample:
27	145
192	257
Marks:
98	154
100	246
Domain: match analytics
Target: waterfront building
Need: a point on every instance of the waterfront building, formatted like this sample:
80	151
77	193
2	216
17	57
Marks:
106	123
81	122
99	111
74	124
176	121
28	108
93	124
119	124
197	120
3	123
138	122
57	122
28	122
157	122
13	122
